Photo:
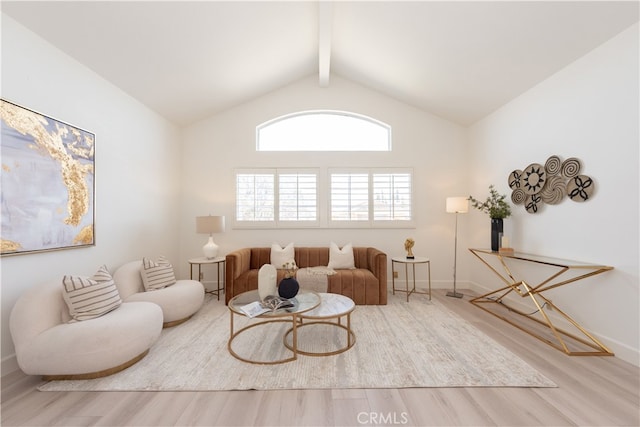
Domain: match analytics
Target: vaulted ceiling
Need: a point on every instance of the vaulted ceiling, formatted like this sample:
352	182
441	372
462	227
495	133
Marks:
458	60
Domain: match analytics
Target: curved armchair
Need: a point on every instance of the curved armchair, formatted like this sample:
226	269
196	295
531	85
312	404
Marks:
179	301
46	344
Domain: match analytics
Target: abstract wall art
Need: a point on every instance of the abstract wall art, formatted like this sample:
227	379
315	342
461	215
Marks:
538	185
47	183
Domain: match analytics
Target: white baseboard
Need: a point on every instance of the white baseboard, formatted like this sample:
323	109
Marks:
9	365
424	284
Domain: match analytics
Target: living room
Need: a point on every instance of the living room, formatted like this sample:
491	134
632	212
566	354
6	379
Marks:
154	176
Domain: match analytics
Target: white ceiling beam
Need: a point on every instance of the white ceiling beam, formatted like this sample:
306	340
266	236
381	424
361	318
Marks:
325	23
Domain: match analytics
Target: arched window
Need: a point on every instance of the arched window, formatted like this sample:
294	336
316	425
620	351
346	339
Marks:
323	131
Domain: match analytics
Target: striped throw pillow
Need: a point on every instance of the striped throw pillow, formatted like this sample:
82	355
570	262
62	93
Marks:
88	298
158	274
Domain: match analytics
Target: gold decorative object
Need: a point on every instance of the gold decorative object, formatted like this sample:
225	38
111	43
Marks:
408	245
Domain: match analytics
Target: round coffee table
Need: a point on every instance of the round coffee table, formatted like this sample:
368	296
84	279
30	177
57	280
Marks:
332	307
305	301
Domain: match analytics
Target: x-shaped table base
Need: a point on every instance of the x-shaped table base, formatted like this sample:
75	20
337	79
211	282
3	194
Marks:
535	294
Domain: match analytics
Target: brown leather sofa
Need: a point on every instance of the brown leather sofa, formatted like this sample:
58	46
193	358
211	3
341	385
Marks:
365	285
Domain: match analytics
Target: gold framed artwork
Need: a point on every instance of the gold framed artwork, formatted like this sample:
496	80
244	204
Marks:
47	181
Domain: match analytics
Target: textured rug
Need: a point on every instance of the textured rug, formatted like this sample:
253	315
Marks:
415	344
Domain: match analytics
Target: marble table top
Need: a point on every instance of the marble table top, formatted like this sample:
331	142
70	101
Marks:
331	306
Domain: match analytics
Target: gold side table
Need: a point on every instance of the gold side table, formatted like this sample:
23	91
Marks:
412	262
535	292
206	261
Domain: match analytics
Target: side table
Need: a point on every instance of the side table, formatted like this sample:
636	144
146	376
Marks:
202	260
413	261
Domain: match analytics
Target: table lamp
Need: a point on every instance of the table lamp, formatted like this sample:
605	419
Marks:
209	225
456	205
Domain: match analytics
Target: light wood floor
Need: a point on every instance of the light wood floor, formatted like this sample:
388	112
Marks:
592	391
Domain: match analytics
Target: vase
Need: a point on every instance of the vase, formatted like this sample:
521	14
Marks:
267	281
288	287
496	233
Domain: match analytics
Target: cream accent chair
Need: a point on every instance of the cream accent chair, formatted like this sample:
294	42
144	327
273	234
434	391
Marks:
46	344
179	301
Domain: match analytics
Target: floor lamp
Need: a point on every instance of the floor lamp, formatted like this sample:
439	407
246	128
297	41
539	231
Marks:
456	205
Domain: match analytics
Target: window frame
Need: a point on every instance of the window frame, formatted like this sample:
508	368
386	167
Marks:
323	200
318	147
277	222
371	222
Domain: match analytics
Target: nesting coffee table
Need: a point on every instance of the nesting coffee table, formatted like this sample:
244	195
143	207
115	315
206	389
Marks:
311	309
330	312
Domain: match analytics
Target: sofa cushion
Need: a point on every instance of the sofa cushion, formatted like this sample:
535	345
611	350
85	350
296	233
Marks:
158	274
341	258
88	298
280	256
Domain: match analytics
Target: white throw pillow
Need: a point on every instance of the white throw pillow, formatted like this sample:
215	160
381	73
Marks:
281	256
341	258
158	274
88	298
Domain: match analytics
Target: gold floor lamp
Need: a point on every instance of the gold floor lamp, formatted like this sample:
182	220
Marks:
456	205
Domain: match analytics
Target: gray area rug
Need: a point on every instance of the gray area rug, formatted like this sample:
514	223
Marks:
415	344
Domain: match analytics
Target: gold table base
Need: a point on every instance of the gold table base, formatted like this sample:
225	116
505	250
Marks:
294	329
351	338
535	294
305	301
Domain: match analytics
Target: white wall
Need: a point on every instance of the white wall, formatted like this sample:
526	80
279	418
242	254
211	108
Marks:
588	110
435	148
137	166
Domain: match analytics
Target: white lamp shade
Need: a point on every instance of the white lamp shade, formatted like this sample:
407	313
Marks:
209	224
457	205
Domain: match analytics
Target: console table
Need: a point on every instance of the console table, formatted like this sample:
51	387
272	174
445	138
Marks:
562	273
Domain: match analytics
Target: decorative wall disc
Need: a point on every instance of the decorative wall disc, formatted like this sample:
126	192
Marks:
514	179
538	185
571	167
518	196
553	165
533	203
533	178
580	188
554	190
